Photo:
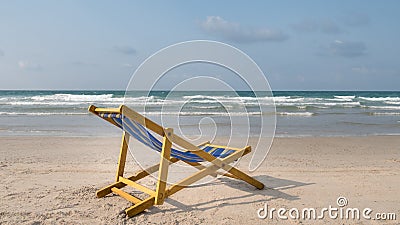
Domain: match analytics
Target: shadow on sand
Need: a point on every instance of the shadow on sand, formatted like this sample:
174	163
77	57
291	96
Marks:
273	190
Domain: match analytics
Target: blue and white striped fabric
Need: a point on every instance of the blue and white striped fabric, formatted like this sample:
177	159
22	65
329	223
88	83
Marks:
143	135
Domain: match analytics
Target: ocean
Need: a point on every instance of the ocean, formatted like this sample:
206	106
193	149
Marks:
298	113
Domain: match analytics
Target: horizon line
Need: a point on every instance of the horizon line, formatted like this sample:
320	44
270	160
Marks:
348	90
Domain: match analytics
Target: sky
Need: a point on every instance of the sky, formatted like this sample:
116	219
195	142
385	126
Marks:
299	45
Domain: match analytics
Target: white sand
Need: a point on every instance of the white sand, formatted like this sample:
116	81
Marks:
53	180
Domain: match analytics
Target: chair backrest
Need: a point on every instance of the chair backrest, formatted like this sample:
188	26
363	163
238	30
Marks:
143	135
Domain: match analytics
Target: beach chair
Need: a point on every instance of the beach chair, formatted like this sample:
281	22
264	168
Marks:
144	130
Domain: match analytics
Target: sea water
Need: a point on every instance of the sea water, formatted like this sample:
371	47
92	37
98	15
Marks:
298	113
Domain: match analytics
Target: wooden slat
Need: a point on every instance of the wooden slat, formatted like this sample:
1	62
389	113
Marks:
243	176
199	166
137	186
195	164
107	189
164	164
125	195
105	110
149	124
93	109
140	207
204	143
122	155
225	147
202	173
139	175
226	174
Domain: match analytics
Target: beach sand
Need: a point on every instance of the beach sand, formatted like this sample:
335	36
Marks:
53	180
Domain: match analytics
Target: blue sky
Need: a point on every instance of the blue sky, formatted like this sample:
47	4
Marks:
300	45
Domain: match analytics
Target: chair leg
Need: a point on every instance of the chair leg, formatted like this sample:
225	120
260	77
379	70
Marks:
122	155
163	171
243	176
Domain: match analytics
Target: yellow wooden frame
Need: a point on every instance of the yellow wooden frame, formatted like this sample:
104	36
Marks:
158	196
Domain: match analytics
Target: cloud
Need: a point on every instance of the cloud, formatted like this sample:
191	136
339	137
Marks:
322	26
26	65
362	70
235	32
348	49
1	53
357	19
124	49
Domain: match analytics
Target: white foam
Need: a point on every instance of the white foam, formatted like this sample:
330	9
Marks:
137	99
199	96
210	107
204	113
347	97
296	113
340	103
379	99
205	98
43	103
39	113
392	102
219	113
208	99
341	98
279	99
385	107
73	97
322	105
386	113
